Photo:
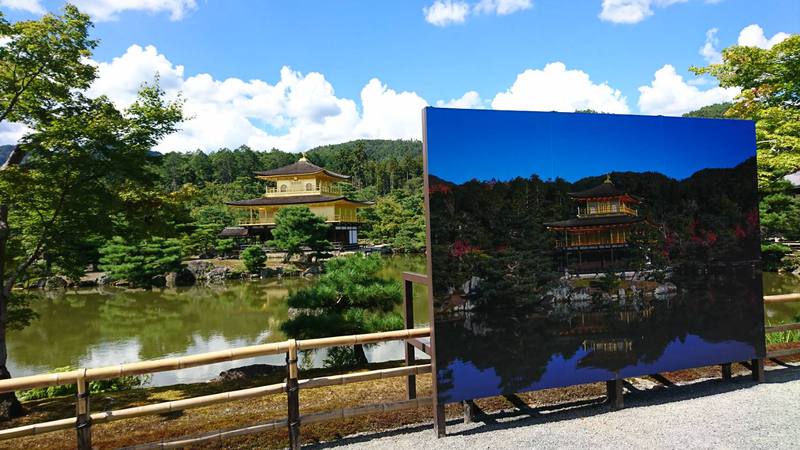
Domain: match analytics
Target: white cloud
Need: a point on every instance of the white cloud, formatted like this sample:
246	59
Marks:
104	10
446	12
470	100
31	6
297	112
753	36
502	7
389	113
10	133
709	49
555	88
669	95
631	11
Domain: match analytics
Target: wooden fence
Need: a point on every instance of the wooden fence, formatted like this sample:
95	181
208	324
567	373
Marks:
785	298
84	418
413	337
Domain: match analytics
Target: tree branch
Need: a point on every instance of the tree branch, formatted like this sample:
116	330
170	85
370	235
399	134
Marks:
21	91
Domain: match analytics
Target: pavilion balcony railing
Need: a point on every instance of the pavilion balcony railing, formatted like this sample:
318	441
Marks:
592	242
607	210
301	190
255	220
270	219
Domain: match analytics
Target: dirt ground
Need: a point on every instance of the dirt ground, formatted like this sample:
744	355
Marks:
252	411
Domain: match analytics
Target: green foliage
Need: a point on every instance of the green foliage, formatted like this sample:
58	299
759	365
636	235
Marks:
203	238
349	298
297	228
95	387
715	111
398	219
138	262
254	258
783	337
224	247
780	215
770	83
772	256
340	357
609	282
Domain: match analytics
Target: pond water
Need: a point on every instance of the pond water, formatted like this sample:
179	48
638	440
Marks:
712	319
779	313
91	328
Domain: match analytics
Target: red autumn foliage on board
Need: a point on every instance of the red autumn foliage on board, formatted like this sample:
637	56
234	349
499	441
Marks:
439	188
461	248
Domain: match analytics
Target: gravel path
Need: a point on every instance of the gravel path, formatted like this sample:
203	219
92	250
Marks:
704	414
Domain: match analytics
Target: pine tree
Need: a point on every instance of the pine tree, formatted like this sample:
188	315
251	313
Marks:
349	298
139	262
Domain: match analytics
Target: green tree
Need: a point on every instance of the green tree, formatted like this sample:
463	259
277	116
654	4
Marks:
203	238
780	215
297	228
349	298
254	258
715	111
398	220
770	84
772	256
82	160
140	262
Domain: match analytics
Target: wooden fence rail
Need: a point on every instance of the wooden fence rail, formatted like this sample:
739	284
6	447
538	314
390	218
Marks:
84	418
785	298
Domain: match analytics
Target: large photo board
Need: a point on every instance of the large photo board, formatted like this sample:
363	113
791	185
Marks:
569	248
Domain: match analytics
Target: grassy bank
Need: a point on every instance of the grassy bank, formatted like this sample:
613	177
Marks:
251	411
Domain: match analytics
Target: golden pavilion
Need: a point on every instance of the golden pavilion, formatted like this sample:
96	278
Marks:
598	235
300	184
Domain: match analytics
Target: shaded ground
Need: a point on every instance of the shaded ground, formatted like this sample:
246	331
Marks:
703	414
587	398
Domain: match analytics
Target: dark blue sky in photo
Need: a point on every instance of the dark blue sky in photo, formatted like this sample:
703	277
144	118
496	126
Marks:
482	144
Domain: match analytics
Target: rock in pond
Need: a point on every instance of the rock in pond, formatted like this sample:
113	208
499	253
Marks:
247	372
665	290
55	283
218	275
158	281
200	269
181	278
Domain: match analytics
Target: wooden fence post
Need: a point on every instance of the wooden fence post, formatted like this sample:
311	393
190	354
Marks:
408	319
614	393
757	367
293	396
83	423
439	423
727	373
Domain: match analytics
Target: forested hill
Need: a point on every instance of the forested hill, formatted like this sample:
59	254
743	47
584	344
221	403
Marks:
376	165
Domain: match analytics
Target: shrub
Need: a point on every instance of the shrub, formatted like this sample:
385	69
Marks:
139	262
772	256
349	298
95	387
254	258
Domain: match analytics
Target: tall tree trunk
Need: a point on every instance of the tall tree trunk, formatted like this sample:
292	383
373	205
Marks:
10	407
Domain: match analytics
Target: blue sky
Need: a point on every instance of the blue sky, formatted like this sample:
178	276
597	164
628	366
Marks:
501	145
295	74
